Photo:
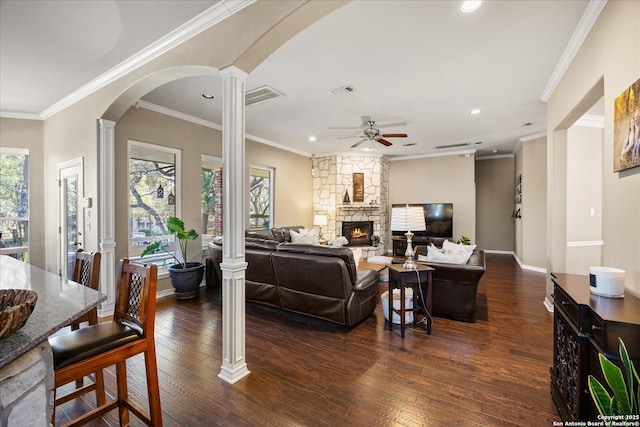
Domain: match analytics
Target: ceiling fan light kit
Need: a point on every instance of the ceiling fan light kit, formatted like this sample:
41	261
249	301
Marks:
371	133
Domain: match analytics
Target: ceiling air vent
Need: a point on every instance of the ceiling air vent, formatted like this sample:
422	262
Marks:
466	144
341	90
261	94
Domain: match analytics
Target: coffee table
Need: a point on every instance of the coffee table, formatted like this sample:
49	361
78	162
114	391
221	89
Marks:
399	277
367	266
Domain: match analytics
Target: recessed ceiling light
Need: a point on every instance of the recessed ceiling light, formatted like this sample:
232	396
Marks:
312	138
207	96
527	124
475	111
411	144
470	6
495	151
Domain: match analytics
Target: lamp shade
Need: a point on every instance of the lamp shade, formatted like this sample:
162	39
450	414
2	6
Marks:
320	220
408	218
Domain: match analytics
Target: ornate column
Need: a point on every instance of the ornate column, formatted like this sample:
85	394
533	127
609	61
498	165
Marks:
107	213
233	266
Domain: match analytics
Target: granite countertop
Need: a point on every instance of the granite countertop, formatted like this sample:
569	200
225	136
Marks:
60	301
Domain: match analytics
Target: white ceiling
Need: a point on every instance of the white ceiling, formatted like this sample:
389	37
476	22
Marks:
419	62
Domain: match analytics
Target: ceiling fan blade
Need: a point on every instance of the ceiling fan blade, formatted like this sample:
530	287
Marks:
384	142
394	135
388	125
353	136
358	143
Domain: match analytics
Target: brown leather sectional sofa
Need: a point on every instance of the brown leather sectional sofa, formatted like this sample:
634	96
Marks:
314	280
455	286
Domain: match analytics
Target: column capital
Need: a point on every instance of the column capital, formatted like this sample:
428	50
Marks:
106	123
233	71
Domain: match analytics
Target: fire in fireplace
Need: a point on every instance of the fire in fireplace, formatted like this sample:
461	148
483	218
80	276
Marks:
358	233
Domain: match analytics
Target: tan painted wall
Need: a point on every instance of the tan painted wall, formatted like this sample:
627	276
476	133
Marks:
606	64
495	228
534	203
293	184
247	37
29	134
445	179
519	162
293	196
584	193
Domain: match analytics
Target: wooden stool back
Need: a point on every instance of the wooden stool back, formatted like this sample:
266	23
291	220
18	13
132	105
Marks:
81	352
86	271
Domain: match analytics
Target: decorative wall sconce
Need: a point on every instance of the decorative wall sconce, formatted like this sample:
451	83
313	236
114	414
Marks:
160	192
171	199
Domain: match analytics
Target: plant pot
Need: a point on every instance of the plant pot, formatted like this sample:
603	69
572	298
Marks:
186	281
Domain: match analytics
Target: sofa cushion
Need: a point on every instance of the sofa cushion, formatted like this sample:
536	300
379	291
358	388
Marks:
321	250
282	234
434	255
261	233
255	243
448	246
304	237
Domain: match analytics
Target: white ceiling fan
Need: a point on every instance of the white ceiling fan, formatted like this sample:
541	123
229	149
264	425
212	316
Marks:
371	132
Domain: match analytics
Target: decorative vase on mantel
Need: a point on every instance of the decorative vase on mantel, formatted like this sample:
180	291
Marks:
346	200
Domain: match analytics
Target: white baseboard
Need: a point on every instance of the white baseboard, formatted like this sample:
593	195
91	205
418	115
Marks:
529	267
493	251
548	304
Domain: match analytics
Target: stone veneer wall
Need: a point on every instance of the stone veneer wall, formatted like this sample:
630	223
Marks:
333	176
26	384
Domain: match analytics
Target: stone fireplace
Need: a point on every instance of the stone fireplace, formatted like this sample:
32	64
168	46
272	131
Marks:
358	233
333	177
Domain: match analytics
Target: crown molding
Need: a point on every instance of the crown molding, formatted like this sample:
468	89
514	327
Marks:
465	153
590	121
21	116
495	156
195	26
589	18
348	154
206	123
177	114
533	136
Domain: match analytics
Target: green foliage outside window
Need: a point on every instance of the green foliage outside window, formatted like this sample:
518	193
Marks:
14	201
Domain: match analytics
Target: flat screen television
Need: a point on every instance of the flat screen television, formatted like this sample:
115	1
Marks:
439	217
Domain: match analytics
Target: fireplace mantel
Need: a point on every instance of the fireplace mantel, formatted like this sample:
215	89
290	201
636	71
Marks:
357	207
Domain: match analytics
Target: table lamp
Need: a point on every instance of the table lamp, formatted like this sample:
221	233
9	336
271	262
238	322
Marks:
320	220
406	219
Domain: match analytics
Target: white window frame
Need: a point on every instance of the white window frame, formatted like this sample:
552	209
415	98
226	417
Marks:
272	175
19	249
178	187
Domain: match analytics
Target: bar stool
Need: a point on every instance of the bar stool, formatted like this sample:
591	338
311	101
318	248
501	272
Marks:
83	351
86	271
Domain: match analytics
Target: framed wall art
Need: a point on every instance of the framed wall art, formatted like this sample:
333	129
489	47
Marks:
358	187
626	129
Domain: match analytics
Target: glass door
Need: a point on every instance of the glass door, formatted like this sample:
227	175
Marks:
71	224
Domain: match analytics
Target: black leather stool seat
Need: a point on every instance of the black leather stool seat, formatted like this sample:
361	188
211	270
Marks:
88	342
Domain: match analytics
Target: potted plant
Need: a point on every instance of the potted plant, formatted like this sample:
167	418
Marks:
185	276
464	240
625	400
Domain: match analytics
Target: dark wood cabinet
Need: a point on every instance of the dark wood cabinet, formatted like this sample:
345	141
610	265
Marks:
400	244
584	326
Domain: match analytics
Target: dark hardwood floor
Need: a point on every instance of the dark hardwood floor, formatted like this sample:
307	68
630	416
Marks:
494	372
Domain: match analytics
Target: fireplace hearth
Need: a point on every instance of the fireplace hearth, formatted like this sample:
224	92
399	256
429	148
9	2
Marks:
358	233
